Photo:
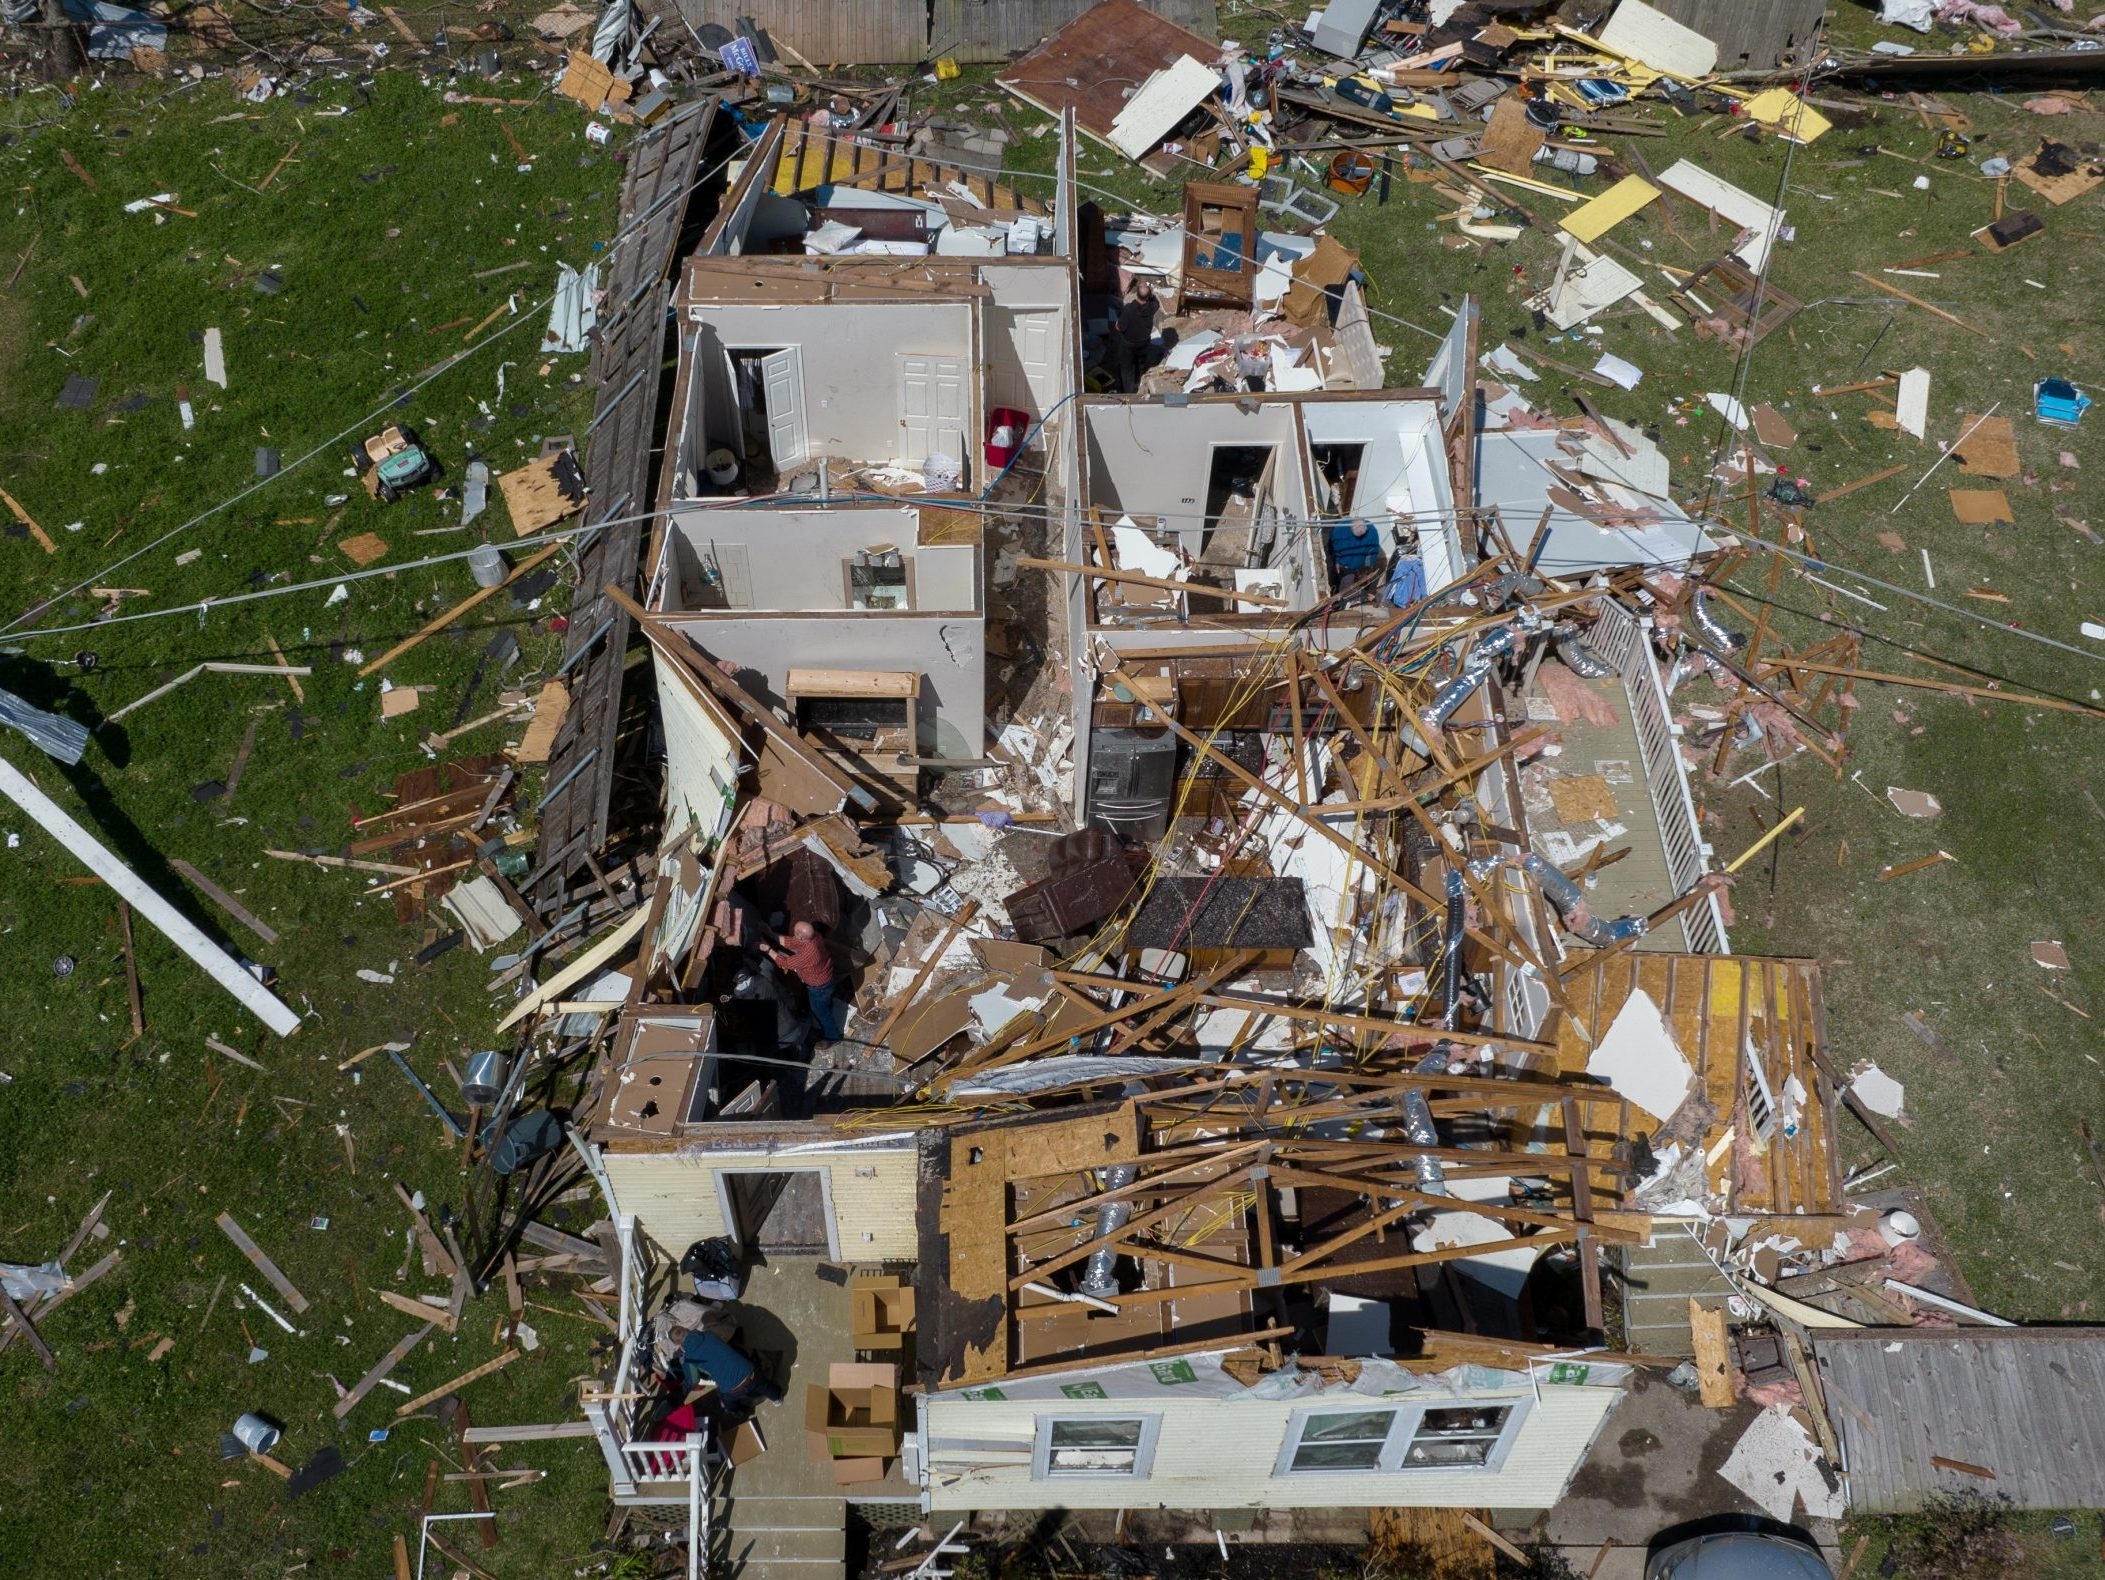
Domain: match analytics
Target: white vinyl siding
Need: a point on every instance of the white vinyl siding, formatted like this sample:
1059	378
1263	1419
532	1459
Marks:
674	1197
1224	1453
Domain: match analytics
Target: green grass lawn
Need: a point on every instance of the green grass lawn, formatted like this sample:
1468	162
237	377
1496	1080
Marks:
391	204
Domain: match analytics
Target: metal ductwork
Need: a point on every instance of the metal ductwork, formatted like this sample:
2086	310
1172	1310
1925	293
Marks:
1717	635
1580	659
1451	957
1100	1272
1471	675
1418	1123
1572	909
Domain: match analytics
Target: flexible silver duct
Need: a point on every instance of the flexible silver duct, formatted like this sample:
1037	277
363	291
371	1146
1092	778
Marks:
1471	675
1099	1273
1419	1127
1706	622
1580	659
1572	909
1451	958
57	735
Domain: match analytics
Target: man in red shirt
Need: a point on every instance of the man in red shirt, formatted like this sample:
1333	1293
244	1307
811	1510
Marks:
808	958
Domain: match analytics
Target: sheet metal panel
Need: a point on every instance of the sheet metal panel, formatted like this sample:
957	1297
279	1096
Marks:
828	32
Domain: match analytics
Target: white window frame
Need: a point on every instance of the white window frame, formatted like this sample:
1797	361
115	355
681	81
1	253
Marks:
1403	1427
1143	1455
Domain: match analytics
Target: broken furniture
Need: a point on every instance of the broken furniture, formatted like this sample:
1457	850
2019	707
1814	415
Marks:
393	462
1220	245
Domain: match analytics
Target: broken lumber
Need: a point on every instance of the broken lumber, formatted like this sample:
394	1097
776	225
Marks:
439	623
462	1381
225	901
386	1364
222	967
264	1265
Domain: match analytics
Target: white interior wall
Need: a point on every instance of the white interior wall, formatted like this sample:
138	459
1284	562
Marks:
850	353
949	652
792	560
1148	459
946	578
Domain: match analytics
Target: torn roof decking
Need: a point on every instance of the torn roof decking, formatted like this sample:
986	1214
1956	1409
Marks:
1092	64
664	165
836	165
2026	1405
1717	1007
1220	913
771	281
1011	1208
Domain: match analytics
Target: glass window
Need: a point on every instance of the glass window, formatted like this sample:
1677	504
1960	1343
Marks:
1342	1440
1095	1446
1463	1436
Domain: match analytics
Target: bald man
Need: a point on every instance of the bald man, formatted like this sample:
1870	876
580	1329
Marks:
811	962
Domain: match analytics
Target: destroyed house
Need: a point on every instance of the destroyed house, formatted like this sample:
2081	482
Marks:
859	391
1249	1130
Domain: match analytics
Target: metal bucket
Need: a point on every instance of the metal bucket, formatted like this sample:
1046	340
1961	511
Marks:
486	564
486	1076
258	1434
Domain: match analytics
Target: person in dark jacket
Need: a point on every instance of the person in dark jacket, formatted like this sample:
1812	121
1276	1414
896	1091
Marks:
738	1381
1133	337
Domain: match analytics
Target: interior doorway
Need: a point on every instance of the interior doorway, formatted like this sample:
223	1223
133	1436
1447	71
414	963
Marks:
1337	475
1238	481
786	1212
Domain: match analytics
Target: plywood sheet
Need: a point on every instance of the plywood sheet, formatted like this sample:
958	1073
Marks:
1989	448
364	549
1596	217
1981	507
1580	798
551	707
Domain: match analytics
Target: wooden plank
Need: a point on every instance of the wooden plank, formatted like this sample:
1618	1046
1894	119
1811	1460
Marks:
131	970
403	1571
219	897
23	1325
422	1309
462	1381
1496	1540
264	1265
439	623
543	1432
381	1368
1713	1354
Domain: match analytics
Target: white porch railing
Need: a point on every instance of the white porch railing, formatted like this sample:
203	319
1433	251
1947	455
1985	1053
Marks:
1624	639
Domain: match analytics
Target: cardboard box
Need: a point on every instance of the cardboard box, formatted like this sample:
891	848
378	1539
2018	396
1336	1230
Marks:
856	1415
848	1472
882	1312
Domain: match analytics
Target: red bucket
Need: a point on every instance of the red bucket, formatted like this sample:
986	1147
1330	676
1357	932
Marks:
1006	428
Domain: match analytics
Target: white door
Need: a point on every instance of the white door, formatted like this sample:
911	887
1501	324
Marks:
1029	376
782	384
933	410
